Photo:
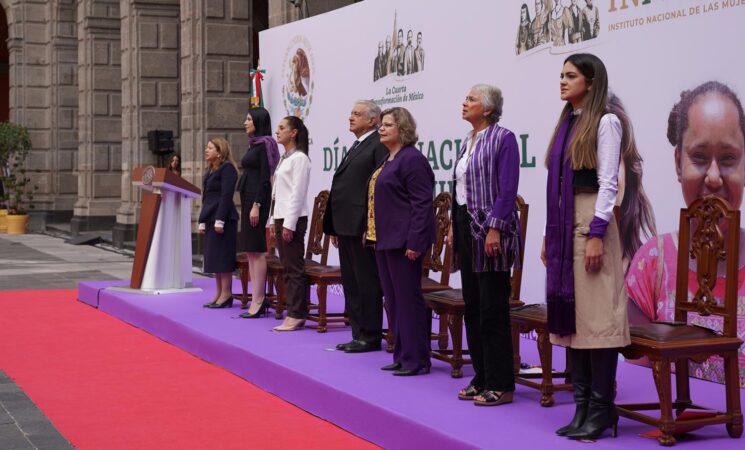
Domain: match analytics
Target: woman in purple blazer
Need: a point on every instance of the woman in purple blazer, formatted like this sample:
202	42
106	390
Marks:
401	224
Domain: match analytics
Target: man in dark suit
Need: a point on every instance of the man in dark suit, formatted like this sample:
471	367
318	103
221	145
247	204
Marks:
345	220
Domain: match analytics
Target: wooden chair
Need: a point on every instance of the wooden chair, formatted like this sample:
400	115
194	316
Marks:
436	260
529	318
701	239
320	273
449	305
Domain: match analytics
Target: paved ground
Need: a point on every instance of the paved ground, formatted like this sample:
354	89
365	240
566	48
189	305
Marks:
35	261
22	424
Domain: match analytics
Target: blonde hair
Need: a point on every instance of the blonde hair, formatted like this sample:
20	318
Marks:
223	150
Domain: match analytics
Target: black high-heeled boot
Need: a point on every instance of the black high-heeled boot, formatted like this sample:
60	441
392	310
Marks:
580	372
601	412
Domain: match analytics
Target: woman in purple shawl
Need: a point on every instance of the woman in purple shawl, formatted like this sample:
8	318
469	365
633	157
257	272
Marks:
255	187
582	248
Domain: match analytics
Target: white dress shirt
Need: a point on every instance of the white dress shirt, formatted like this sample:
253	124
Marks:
609	160
290	189
462	167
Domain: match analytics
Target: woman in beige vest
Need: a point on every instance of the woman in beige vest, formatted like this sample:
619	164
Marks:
582	248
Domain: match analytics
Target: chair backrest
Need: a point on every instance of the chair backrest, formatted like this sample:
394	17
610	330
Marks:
438	259
318	242
701	238
517	274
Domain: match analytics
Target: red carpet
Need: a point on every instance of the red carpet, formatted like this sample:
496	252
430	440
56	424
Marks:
105	384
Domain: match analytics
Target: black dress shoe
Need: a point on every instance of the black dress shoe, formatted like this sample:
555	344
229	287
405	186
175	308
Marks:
411	372
344	346
362	347
394	366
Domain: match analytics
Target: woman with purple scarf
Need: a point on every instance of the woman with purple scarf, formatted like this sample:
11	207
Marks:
487	243
255	187
582	248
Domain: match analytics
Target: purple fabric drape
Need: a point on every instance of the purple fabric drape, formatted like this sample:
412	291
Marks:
272	151
559	234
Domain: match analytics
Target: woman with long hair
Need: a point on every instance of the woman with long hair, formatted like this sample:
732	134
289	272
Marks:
289	217
582	249
255	187
524	41
174	164
218	220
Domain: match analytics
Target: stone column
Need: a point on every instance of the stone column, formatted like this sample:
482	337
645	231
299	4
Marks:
282	12
29	70
216	53
63	95
150	94
99	115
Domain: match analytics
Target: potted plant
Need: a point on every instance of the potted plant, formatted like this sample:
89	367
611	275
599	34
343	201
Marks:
20	196
15	192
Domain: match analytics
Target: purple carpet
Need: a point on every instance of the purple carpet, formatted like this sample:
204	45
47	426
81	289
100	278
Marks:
349	389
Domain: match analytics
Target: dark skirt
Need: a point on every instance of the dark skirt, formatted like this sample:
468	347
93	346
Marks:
219	249
252	239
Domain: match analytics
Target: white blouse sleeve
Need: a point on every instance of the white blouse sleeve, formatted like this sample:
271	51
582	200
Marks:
609	159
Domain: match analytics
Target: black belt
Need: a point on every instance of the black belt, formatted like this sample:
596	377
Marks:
585	190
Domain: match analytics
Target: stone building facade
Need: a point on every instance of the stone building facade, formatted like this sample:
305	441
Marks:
90	78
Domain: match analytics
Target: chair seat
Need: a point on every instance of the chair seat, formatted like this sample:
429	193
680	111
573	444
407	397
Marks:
273	263
669	332
452	298
536	313
430	285
322	271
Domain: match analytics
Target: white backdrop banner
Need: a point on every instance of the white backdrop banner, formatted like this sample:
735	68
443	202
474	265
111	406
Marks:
425	55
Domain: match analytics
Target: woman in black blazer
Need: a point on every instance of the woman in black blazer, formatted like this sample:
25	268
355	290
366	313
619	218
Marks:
218	220
255	187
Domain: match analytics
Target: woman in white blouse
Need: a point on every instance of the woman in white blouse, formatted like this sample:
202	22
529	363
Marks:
582	250
289	217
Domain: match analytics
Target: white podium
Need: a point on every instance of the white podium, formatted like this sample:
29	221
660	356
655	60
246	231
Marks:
163	250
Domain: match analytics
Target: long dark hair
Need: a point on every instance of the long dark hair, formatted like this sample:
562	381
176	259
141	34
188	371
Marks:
637	217
301	140
262	121
677	121
583	148
527	13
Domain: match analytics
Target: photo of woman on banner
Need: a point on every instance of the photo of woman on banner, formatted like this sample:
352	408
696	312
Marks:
707	130
524	41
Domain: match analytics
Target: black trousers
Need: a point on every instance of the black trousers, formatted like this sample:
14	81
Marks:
487	315
292	257
363	296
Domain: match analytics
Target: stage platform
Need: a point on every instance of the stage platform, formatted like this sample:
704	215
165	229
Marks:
349	390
